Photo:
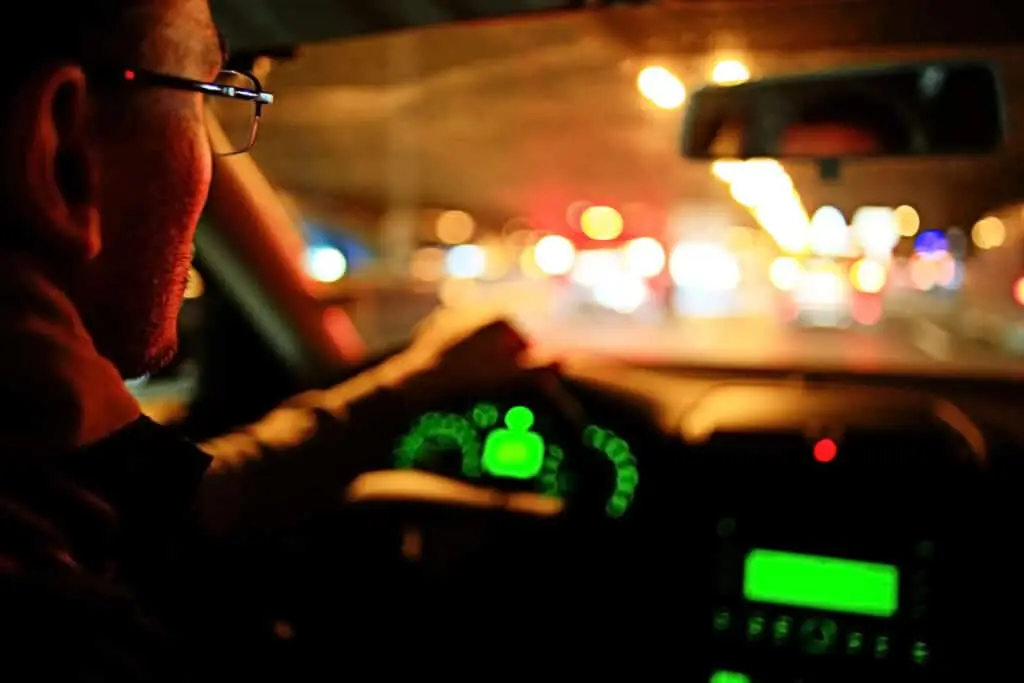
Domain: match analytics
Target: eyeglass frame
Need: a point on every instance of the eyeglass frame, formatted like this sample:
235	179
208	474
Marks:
257	95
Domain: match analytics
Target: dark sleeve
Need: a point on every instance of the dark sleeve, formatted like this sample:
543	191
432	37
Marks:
295	463
65	616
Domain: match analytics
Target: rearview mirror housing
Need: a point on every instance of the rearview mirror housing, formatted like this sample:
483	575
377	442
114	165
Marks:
927	109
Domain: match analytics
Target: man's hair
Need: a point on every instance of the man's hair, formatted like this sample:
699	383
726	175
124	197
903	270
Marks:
84	32
79	31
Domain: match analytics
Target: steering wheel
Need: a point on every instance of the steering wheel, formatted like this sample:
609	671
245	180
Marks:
480	538
494	532
486	465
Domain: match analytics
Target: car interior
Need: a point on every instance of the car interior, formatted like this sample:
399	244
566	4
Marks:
791	521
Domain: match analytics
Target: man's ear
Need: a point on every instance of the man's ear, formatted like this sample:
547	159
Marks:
53	177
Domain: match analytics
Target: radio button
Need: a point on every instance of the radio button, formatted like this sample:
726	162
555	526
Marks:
920	653
781	630
882	647
855	643
818	636
722	620
755	627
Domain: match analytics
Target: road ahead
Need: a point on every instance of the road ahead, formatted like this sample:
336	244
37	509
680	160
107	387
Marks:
911	345
913	338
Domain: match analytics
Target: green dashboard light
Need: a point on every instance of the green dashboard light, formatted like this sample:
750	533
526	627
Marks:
549	474
595	437
817	582
507	447
435	432
514	452
621	456
485	415
729	677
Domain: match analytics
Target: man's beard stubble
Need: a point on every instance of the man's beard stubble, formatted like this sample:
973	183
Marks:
138	330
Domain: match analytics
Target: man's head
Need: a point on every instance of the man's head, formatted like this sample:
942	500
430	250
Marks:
104	182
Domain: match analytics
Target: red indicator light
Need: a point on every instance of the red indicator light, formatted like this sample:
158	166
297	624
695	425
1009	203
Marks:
825	450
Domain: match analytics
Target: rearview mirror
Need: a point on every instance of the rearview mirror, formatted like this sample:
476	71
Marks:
939	108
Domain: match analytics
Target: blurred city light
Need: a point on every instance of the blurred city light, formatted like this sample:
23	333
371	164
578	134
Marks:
706	267
876	230
325	264
829	234
784	273
822	286
730	72
620	292
455	227
466	261
661	87
931	269
601	223
765	188
931	242
593	265
868	276
644	257
908	222
988	233
1018	291
554	255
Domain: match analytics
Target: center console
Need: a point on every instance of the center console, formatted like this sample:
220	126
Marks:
837	542
787	609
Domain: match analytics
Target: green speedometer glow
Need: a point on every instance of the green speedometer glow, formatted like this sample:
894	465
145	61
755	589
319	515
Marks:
550	483
437	432
505	444
626	474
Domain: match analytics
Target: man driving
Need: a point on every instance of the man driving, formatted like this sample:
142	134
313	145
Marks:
107	164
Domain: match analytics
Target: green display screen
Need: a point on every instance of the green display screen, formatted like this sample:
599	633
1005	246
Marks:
729	677
817	582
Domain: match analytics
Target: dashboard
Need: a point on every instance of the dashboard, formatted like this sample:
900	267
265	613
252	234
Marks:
518	445
785	531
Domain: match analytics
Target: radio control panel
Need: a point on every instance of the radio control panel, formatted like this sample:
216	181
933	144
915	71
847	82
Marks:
786	615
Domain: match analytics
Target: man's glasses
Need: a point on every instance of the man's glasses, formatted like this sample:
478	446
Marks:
235	98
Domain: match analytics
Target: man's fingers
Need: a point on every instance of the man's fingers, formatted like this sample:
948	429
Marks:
456	330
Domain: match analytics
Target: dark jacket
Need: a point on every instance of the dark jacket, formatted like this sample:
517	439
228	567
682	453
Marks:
84	539
130	556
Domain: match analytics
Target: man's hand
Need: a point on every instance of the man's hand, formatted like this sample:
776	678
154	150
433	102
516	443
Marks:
454	352
292	464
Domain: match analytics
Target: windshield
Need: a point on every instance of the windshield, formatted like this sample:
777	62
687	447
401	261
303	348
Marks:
534	166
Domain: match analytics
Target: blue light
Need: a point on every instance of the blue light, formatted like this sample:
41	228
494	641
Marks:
466	261
931	242
356	252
